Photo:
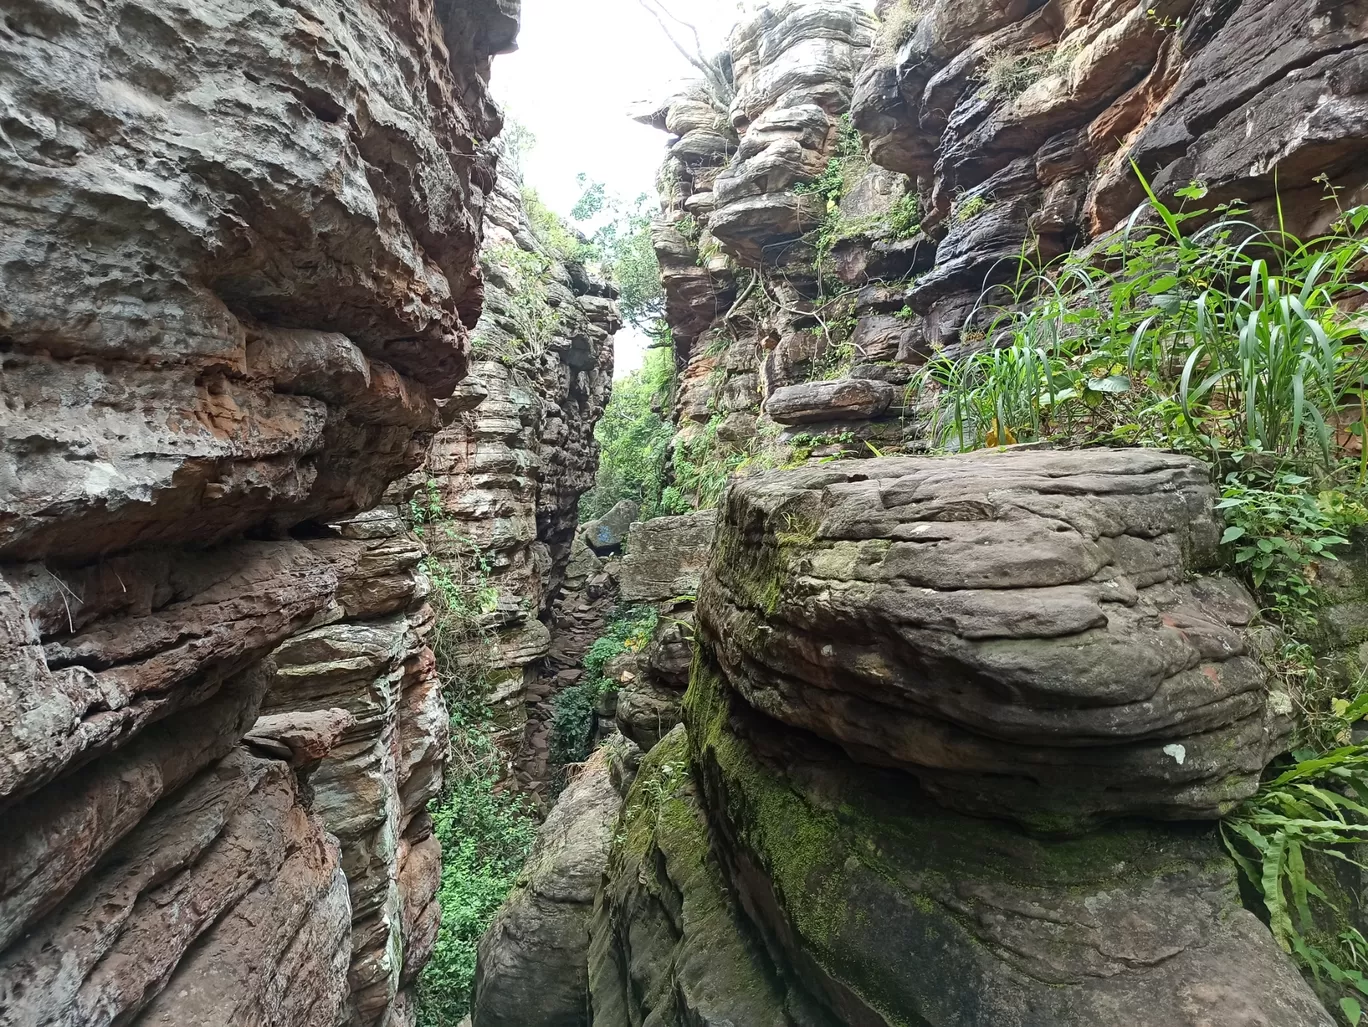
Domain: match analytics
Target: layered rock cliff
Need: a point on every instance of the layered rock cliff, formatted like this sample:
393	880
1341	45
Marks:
1031	116
505	477
237	287
958	729
839	220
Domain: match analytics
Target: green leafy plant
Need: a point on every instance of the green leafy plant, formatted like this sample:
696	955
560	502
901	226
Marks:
1280	530
560	241
486	834
702	466
1311	815
517	331
966	208
1007	74
846	166
573	708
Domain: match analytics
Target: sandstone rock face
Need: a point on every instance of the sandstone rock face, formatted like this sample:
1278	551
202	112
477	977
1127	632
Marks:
668	946
136	888
1040	111
505	478
368	660
794	63
533	959
666	556
752	315
662	565
237	278
902	665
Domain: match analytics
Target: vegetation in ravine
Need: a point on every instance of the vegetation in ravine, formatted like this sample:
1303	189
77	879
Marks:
486	834
573	722
1196	330
844	169
634	437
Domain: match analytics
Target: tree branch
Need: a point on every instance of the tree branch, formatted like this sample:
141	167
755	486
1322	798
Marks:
719	82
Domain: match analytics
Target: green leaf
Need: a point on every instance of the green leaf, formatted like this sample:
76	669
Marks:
1232	533
1352	1010
1116	383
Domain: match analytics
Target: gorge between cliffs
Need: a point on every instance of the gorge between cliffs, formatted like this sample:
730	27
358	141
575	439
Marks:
907	569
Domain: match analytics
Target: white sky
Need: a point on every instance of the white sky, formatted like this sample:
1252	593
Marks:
579	65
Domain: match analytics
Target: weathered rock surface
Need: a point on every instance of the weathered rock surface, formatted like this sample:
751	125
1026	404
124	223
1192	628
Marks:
505	478
666	556
237	277
368	662
884	907
794	63
176	847
662	565
1029	633
754	320
848	399
1037	112
533	959
791	860
668	945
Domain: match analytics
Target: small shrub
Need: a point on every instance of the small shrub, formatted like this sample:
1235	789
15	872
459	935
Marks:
486	837
702	466
528	322
573	707
560	241
1279	530
899	22
1007	74
967	208
687	225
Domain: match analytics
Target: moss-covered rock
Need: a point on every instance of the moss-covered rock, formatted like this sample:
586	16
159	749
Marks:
1030	633
532	959
668	946
892	910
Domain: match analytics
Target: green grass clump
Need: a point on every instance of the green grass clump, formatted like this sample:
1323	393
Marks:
1223	338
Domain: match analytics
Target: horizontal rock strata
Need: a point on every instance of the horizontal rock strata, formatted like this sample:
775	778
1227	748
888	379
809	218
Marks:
940	720
1027	633
237	280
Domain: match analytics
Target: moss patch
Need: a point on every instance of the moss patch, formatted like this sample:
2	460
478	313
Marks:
879	887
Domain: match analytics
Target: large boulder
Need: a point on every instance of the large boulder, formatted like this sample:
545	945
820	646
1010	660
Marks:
531	970
943	716
665	557
1029	633
846	399
881	906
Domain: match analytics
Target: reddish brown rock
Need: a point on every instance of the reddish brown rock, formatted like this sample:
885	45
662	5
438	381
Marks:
238	273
